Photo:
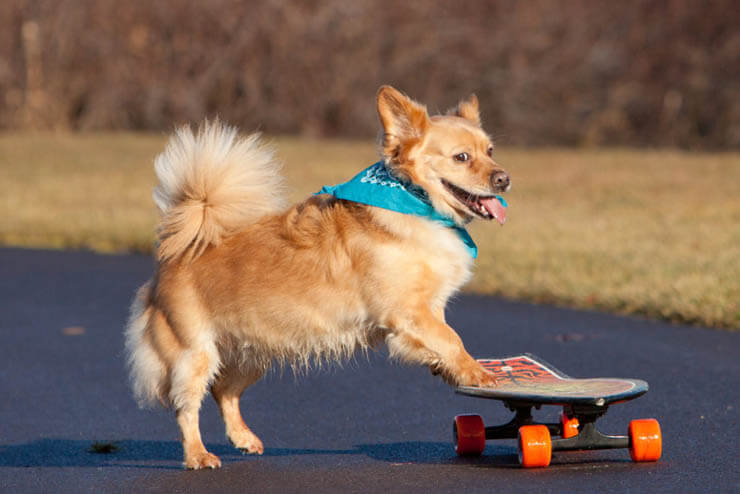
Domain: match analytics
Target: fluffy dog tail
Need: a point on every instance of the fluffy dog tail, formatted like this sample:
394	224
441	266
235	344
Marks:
211	184
148	371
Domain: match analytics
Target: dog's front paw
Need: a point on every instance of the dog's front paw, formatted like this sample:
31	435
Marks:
477	376
247	442
202	460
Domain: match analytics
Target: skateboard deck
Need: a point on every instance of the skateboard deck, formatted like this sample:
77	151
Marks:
528	379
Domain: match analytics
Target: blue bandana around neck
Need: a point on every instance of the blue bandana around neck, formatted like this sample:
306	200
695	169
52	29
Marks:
375	186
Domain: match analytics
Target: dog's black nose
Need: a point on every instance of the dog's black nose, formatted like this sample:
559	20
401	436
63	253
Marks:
500	180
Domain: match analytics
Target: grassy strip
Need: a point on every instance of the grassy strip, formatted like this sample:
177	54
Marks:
655	233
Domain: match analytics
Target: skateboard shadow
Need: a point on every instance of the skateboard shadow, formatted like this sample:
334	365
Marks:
437	453
494	456
418	452
167	455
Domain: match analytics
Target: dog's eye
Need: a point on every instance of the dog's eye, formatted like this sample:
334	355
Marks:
462	157
489	151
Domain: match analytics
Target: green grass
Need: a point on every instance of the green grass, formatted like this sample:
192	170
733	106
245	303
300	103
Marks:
655	233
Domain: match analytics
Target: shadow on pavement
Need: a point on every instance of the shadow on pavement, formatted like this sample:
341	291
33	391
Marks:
168	454
79	453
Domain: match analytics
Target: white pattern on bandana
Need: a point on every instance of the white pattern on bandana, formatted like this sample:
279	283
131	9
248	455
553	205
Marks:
378	175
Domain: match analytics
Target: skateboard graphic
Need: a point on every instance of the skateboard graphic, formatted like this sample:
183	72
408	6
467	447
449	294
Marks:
524	382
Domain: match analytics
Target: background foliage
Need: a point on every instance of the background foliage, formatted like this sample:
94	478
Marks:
570	72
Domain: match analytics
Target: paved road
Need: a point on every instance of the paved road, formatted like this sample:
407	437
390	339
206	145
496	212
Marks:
370	426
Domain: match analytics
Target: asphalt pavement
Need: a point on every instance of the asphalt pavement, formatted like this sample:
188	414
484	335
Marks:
68	422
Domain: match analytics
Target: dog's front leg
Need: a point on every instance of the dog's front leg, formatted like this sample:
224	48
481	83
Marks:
425	339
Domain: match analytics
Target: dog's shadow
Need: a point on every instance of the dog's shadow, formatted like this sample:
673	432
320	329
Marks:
168	454
49	452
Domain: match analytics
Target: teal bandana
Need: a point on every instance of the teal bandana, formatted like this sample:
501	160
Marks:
375	186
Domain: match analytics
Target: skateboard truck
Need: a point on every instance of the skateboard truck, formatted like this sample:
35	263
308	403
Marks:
525	382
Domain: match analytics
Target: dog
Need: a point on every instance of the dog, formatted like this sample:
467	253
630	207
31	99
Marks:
244	282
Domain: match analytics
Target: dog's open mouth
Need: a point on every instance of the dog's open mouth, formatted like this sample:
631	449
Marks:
486	207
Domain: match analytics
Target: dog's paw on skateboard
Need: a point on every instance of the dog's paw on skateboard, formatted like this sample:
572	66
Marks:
477	377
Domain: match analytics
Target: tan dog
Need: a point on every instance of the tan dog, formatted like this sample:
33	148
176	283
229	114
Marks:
243	282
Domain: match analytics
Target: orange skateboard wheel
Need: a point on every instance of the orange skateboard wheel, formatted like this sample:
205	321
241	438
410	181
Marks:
535	447
646	442
470	435
569	425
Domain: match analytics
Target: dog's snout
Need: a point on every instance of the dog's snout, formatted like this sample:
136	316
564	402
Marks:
500	180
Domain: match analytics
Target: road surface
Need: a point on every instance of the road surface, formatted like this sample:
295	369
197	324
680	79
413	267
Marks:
368	426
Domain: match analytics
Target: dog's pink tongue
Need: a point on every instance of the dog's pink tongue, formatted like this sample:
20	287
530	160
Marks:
495	208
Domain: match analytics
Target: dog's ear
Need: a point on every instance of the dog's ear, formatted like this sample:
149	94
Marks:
468	109
404	120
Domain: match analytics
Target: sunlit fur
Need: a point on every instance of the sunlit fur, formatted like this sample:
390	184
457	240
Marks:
244	283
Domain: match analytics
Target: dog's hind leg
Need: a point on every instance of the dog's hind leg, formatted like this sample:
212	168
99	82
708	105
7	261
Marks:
226	390
191	373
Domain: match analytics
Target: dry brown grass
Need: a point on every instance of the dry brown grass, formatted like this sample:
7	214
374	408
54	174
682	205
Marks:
82	191
641	232
647	232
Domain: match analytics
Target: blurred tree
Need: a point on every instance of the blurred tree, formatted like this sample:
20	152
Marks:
571	72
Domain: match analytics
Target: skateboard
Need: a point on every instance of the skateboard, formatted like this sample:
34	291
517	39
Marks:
526	382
